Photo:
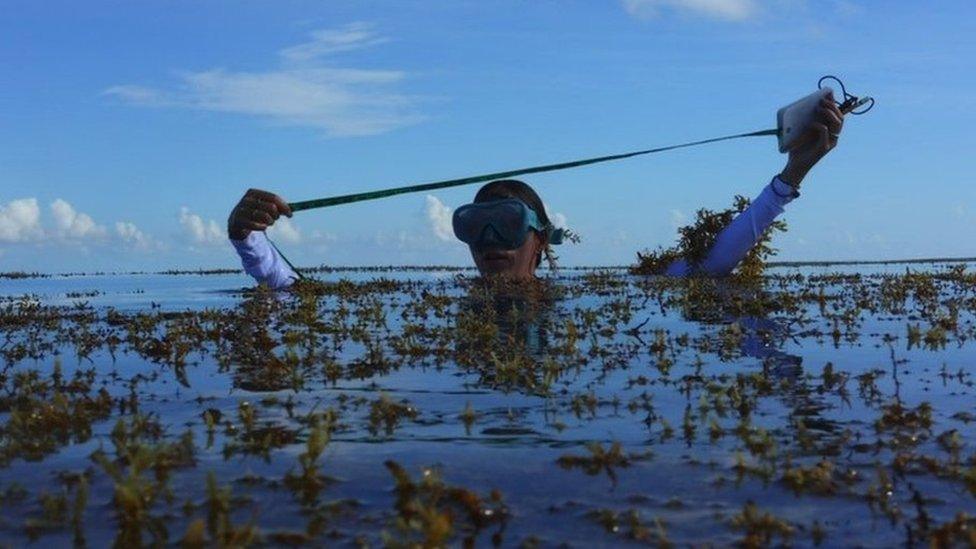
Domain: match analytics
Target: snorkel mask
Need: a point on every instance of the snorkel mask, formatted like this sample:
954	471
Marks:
504	223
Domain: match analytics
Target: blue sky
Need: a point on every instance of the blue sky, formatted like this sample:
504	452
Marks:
129	129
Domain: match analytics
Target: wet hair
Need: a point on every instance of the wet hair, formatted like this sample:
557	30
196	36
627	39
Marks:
513	188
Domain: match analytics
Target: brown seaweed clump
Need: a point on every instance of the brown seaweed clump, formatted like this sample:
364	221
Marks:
46	414
430	513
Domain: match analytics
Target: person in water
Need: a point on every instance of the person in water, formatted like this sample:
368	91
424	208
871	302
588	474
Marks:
508	231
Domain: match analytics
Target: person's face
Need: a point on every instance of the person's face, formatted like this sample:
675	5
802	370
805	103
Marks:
518	263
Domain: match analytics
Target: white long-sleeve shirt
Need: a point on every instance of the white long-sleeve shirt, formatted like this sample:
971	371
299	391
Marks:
263	262
266	265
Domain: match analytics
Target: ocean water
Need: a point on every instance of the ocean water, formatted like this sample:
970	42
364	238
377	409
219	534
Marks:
829	406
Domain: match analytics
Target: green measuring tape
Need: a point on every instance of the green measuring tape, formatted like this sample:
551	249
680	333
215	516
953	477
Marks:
373	195
850	105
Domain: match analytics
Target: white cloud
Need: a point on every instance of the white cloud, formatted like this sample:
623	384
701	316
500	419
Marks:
74	225
678	219
620	237
341	101
559	220
20	220
199	231
138	95
285	231
353	36
129	234
319	236
322	242
439	218
859	241
729	10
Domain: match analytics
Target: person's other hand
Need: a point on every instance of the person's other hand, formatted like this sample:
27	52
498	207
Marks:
818	140
256	211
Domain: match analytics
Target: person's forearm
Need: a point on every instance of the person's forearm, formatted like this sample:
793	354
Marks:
263	262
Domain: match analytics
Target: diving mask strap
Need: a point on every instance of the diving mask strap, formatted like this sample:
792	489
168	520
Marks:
556	235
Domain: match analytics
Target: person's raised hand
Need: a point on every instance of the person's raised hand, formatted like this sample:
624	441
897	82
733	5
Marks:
818	140
256	211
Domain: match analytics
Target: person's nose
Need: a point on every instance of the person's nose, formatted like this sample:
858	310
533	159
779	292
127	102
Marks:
490	238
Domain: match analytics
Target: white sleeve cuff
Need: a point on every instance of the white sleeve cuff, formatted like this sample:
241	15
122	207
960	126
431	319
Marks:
784	192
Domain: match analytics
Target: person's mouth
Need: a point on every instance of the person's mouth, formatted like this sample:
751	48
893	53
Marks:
496	260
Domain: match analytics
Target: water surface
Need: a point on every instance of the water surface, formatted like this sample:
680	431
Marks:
820	406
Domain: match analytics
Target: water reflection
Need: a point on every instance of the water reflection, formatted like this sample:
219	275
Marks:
503	333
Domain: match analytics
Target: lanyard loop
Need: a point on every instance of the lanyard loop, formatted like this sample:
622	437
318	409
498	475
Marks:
851	102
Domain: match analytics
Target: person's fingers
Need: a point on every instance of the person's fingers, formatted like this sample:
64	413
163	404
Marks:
262	217
266	196
255	226
257	213
823	136
828	117
837	114
836	110
263	205
248	211
282	206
